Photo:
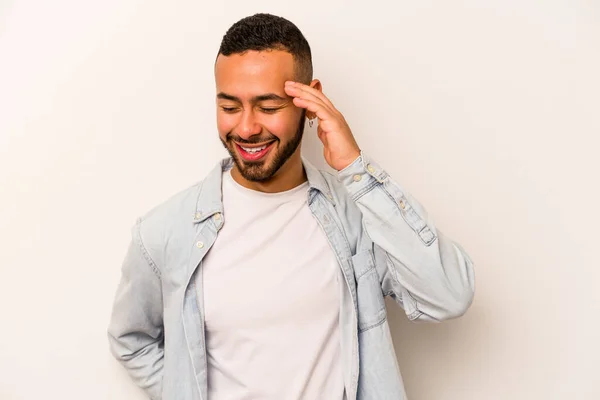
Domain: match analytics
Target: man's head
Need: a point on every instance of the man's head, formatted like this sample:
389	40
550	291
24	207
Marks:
258	54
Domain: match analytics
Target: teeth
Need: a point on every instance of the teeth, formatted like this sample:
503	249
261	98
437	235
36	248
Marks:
254	150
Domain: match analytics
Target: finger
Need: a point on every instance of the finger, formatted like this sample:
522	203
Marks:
299	93
314	92
311	90
322	112
321	134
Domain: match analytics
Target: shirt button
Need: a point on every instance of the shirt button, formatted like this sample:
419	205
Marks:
198	215
402	205
218	216
357	178
200	245
370	168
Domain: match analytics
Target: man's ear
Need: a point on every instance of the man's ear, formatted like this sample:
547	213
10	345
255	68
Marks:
315	84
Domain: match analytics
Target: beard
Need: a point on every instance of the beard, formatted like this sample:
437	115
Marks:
263	170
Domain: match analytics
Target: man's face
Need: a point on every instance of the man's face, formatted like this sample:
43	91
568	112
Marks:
257	121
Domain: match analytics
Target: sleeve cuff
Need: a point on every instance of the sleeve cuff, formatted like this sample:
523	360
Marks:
361	176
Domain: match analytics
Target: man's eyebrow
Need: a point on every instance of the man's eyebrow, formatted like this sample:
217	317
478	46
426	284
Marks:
256	99
226	96
267	97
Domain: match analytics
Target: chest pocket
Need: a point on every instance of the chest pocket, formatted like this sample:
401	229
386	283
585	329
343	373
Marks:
371	306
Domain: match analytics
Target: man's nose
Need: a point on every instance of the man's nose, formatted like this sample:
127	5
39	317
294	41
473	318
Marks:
248	125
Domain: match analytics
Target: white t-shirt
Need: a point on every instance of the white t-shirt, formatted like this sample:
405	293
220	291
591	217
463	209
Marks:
271	300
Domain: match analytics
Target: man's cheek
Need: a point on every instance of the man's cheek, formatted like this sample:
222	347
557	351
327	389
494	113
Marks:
224	126
281	127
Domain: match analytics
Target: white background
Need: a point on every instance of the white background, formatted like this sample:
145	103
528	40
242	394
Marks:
486	111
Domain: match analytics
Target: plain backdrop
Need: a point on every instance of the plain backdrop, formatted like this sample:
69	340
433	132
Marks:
486	111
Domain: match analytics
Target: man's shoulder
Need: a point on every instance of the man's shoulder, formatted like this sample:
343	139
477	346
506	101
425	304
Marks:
181	206
336	187
345	206
171	214
182	202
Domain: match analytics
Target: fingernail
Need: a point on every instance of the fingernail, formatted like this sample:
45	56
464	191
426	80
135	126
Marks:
289	82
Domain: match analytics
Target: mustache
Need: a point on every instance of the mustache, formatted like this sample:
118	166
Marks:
233	137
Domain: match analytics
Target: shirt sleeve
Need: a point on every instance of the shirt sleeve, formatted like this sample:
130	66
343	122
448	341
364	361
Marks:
426	272
135	330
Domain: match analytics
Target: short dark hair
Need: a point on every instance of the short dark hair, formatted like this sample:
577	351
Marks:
261	32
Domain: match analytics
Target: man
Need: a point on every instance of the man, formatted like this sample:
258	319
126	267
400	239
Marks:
267	279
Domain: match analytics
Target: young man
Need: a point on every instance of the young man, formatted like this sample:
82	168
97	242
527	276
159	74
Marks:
267	279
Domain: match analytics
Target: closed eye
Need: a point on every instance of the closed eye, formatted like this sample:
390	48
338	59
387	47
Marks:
269	110
229	109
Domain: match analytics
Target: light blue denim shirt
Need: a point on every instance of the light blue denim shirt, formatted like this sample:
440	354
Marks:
385	245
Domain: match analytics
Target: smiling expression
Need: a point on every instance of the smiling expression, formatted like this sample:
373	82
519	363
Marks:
257	121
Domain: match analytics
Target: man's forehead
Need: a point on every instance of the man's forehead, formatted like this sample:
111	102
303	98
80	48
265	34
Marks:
252	64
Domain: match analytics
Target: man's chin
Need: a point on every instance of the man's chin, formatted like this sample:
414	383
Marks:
253	175
254	171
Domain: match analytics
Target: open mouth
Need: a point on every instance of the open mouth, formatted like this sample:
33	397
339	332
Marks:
254	153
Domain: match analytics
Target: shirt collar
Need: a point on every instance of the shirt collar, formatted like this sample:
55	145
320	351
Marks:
210	200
